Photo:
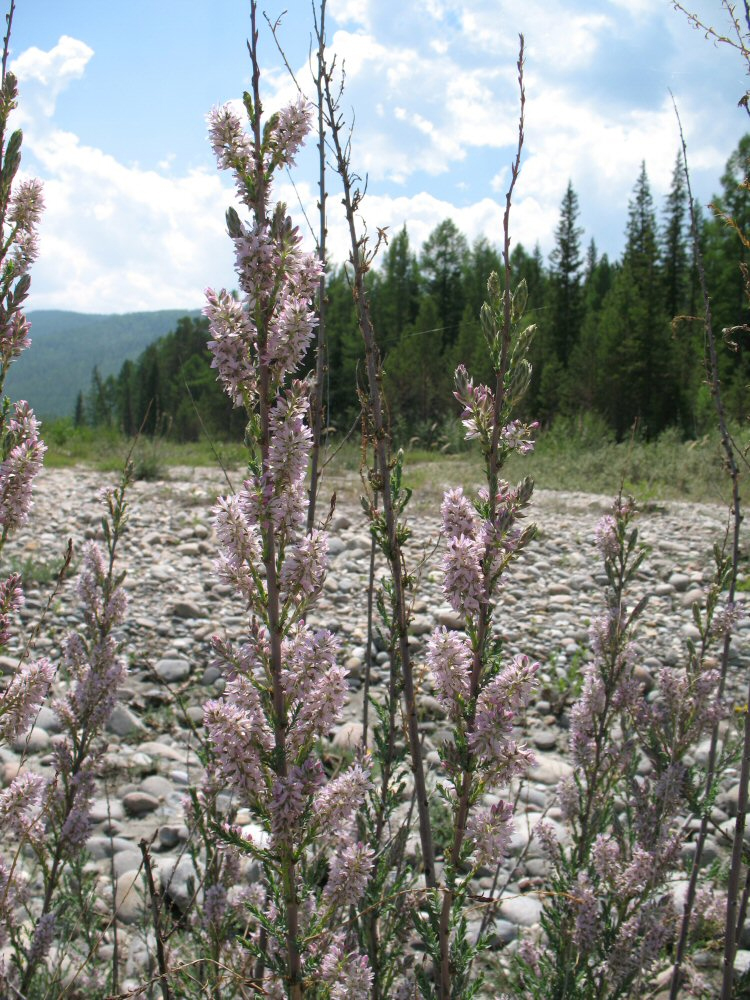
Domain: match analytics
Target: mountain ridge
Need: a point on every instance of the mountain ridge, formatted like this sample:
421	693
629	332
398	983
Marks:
66	346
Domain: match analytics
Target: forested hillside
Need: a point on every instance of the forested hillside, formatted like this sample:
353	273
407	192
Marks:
67	345
614	338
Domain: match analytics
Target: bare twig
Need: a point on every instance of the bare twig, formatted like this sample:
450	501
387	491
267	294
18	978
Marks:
161	960
733	470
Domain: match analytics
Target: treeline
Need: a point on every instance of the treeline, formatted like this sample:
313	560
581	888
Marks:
614	338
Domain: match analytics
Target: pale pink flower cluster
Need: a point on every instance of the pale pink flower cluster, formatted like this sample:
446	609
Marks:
450	658
20	807
290	438
479	549
516	436
290	334
240	554
337	802
348	974
606	538
568	797
463	583
69	800
41	941
285	689
26	207
348	874
21	465
459	515
490	831
259	267
491	738
304	568
586	907
288	318
585	716
232	346
240	735
638	945
479	406
709	913
291	794
314	684
479	695
14	338
229	140
23	697
92	660
95	670
727	618
289	129
605	857
214	905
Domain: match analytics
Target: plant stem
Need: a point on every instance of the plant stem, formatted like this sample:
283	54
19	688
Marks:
730	938
321	358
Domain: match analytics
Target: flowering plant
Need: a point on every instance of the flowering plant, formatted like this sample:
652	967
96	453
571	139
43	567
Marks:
284	688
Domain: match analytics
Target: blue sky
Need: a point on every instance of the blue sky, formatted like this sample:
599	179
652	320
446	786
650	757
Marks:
113	99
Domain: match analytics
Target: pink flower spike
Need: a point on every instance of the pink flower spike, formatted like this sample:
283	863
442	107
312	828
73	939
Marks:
450	657
459	516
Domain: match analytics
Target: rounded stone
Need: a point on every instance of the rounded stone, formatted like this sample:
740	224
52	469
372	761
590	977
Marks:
523	911
122	722
348	736
156	785
35	741
549	769
130	897
139	803
124	861
544	739
172	670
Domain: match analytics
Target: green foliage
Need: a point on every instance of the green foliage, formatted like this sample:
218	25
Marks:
169	391
615	341
67	345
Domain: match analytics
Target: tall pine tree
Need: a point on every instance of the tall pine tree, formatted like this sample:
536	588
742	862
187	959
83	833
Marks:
639	381
442	264
675	256
565	279
726	256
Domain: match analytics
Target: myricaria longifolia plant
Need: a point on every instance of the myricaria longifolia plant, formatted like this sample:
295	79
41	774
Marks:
285	688
609	920
320	895
21	456
478	688
93	668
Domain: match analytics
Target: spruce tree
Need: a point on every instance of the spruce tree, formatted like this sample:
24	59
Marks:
565	279
587	362
639	381
726	256
394	301
442	265
675	256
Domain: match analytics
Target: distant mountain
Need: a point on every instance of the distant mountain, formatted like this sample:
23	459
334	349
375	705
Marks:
65	347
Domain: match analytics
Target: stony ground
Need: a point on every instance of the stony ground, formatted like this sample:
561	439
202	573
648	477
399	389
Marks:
176	605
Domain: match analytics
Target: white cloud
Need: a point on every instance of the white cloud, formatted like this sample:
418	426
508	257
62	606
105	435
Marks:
117	238
47	74
421	213
351	11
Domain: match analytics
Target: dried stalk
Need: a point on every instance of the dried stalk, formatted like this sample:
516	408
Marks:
714	381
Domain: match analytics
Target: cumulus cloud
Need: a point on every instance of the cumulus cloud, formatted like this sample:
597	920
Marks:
49	73
433	91
351	11
118	238
113	237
